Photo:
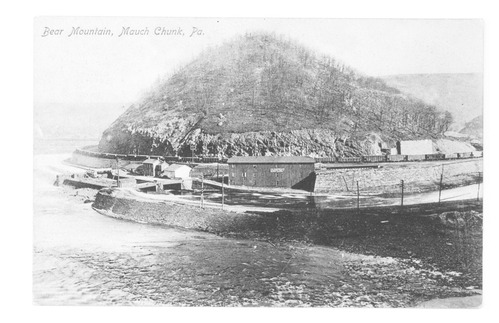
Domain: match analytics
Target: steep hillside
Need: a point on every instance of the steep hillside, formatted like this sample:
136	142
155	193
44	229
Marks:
460	94
260	94
474	128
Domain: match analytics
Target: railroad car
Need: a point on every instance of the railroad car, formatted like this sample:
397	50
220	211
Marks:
416	157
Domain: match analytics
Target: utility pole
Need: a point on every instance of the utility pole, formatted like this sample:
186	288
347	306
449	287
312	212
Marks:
202	190
440	187
402	198
358	197
193	148
223	196
478	191
118	171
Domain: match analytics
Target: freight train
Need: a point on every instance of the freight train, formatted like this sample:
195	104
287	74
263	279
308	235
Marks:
360	159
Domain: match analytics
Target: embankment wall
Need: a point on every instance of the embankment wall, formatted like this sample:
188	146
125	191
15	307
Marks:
300	224
214	220
417	177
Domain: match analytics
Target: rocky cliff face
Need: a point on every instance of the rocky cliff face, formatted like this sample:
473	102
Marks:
309	142
263	95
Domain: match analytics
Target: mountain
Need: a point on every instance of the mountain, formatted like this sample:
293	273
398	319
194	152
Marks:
261	94
474	128
460	94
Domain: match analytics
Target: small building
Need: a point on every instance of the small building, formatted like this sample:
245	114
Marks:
177	171
159	169
415	147
127	182
266	171
150	166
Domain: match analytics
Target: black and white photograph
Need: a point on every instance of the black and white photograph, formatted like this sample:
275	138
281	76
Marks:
258	162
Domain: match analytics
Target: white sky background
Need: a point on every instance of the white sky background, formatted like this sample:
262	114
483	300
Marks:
87	69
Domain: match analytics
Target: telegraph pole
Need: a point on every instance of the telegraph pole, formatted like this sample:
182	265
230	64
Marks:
223	196
358	196
478	191
440	187
118	171
402	198
202	190
193	148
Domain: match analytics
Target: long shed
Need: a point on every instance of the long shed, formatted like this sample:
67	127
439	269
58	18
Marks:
266	171
177	171
415	147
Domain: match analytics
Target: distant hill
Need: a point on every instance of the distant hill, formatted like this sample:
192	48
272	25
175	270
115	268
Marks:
460	94
474	128
261	94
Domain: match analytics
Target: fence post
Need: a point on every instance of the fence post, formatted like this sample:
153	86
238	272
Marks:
118	171
202	190
223	195
402	198
358	197
440	187
478	191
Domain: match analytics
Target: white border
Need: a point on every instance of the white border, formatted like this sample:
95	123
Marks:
17	83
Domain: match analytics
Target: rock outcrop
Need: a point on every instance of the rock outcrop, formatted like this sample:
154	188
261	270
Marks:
264	95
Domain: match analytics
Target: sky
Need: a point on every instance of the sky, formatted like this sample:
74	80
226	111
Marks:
81	69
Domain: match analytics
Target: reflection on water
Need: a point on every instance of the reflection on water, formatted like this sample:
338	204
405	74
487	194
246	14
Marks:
303	201
411	233
284	201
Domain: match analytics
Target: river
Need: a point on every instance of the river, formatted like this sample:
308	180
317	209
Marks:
83	258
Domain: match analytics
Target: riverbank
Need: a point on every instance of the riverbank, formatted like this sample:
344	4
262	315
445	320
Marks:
84	258
445	236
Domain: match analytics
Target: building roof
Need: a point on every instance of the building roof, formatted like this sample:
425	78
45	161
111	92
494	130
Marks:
174	167
131	166
271	160
151	161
